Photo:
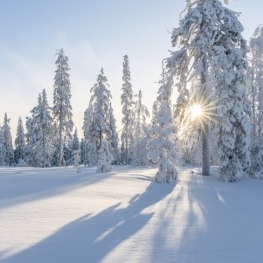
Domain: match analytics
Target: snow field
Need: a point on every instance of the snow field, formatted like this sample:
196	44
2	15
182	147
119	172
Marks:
58	215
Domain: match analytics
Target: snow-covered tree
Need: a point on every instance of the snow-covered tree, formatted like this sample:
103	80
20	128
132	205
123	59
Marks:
141	132
61	98
76	158
104	158
6	130
73	147
20	143
99	122
212	47
161	144
127	108
256	100
113	137
40	129
83	152
2	148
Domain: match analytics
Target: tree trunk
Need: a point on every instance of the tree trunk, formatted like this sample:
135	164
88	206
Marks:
204	126
205	150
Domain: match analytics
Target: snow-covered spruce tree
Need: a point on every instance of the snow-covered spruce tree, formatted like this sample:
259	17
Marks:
61	99
256	99
41	129
90	141
100	101
73	147
83	151
127	108
211	41
9	155
20	143
256	66
104	158
141	133
113	137
2	148
161	145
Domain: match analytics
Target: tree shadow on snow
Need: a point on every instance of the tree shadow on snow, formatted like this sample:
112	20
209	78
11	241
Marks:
210	221
22	185
92	238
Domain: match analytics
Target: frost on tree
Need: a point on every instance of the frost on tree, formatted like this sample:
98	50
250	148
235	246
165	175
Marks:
104	158
9	151
99	121
127	108
161	144
20	145
61	99
40	133
2	148
256	100
141	132
212	47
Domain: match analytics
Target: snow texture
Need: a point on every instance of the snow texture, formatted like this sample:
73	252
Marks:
58	216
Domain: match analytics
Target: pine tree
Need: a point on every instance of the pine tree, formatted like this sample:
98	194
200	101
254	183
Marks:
127	108
212	47
99	122
104	158
256	99
73	147
141	133
90	138
9	156
113	137
2	148
41	133
20	144
62	107
161	144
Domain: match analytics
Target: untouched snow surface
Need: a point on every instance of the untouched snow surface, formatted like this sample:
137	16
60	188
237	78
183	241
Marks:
59	216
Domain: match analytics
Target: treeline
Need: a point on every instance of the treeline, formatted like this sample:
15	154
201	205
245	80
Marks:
213	68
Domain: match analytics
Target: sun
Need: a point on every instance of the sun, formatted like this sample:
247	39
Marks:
196	111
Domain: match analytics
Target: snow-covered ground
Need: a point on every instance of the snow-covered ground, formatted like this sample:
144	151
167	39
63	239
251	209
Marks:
59	216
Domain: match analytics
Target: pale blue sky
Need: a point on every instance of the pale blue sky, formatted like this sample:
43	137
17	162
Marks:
94	34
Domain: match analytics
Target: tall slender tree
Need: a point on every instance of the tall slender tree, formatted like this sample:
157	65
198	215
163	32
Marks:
2	148
20	143
61	98
127	108
141	132
6	130
256	99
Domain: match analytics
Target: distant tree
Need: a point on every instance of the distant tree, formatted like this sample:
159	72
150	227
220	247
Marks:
61	98
141	133
104	158
113	137
6	130
74	147
20	143
40	128
90	138
99	122
83	152
127	108
2	148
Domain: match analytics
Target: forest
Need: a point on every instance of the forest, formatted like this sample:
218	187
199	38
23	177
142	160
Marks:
216	119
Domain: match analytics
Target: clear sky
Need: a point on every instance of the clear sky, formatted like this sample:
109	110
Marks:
93	34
